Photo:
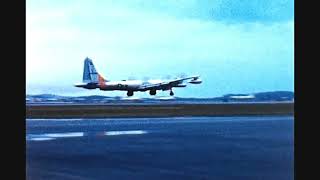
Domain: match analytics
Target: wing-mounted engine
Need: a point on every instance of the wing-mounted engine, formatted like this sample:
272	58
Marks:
195	80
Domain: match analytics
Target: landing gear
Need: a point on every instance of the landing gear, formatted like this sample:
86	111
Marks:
171	93
130	93
153	92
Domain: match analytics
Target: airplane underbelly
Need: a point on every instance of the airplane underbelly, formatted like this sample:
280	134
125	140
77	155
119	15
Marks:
121	87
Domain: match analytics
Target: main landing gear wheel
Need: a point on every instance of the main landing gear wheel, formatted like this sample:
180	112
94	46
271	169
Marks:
130	93
171	93
153	92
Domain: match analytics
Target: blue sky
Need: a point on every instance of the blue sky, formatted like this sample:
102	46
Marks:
236	46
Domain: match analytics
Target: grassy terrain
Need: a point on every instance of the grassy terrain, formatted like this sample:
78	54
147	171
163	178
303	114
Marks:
105	111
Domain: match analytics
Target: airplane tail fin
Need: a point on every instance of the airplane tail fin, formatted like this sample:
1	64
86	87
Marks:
90	74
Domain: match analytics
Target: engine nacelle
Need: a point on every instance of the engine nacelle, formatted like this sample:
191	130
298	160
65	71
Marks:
196	81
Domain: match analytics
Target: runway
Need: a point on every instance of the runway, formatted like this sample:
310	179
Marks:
254	147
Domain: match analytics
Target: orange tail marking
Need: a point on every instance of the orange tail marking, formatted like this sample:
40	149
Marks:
101	81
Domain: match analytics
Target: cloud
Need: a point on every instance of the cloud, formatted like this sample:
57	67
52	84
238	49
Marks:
254	10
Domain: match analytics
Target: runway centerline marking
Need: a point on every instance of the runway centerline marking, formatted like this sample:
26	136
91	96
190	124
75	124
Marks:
53	136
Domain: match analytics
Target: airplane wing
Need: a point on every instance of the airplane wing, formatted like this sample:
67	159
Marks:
168	84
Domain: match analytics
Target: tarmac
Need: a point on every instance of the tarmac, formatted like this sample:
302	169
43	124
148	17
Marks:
170	148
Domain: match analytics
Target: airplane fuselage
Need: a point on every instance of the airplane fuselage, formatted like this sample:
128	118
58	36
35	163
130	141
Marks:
125	85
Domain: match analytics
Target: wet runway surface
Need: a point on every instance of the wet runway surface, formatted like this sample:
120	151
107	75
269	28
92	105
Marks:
161	148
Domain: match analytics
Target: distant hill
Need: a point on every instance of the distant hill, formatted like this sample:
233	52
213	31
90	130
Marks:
261	96
276	95
45	96
254	97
